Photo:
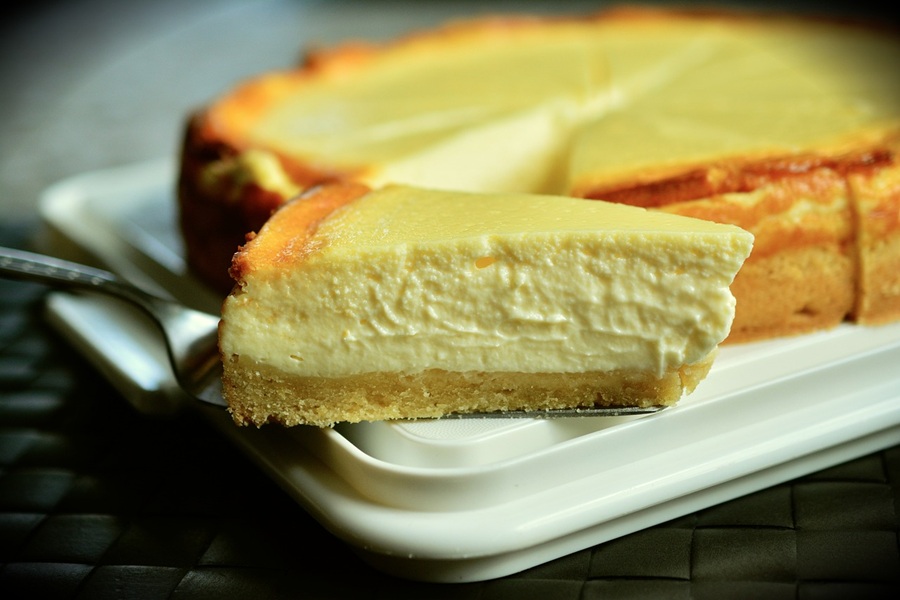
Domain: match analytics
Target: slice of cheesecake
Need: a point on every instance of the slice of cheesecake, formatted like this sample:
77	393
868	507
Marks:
356	305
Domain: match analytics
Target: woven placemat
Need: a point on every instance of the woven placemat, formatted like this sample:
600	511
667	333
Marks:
97	501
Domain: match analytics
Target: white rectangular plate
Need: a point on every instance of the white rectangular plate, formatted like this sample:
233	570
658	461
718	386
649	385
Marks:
473	500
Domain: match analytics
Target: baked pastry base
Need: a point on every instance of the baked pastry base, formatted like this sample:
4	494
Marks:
805	289
878	245
259	394
802	274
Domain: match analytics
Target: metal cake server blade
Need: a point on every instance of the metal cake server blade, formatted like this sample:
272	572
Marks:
191	336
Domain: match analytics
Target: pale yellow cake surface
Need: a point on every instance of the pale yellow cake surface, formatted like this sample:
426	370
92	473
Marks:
423	112
745	91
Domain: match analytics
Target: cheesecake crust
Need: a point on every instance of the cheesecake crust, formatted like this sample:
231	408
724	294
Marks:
260	394
877	204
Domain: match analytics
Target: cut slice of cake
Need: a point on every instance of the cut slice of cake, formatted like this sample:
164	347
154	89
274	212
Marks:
354	304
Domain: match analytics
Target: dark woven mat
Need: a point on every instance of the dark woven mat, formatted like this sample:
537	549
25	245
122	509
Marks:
99	502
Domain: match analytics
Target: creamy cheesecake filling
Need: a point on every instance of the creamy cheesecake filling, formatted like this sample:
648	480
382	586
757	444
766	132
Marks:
404	103
558	285
770	91
532	144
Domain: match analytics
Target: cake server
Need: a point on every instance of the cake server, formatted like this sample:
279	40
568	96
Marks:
191	336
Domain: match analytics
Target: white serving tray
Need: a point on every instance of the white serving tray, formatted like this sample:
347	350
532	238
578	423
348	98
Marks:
454	501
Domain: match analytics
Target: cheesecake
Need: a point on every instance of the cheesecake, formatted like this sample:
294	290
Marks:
355	303
786	126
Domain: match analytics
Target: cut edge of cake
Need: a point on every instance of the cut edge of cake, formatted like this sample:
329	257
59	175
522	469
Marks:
306	338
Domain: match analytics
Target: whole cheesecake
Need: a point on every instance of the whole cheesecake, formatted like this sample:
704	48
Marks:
788	127
359	304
